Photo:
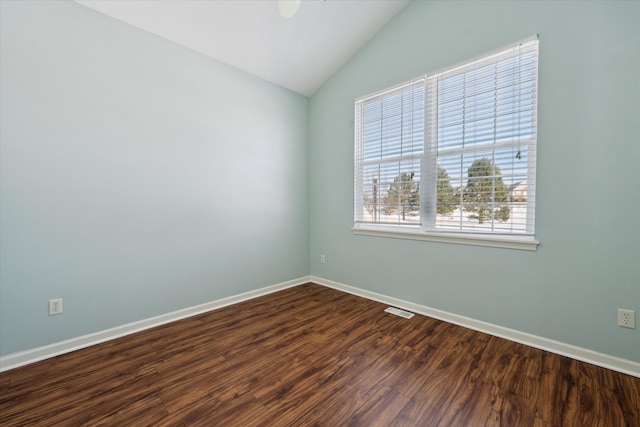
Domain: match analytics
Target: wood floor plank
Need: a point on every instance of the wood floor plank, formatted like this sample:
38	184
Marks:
484	409
597	403
311	355
350	402
148	410
380	409
557	401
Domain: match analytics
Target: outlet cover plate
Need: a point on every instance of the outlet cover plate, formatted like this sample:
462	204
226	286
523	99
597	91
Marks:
626	318
55	306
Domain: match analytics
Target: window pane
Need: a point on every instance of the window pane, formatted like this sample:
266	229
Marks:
484	190
391	141
483	145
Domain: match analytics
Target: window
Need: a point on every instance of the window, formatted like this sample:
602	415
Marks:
452	153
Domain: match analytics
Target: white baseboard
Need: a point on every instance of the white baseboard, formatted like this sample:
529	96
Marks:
618	364
624	366
22	358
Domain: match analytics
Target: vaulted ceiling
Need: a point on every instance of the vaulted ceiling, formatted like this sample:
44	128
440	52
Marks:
299	53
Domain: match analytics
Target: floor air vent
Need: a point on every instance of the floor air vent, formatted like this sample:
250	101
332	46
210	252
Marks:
399	312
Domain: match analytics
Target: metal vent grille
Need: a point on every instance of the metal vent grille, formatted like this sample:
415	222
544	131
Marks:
399	312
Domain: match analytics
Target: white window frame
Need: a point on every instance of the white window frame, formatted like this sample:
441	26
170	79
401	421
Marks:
426	228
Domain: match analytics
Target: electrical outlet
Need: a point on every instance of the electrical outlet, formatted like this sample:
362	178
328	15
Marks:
322	259
626	318
55	306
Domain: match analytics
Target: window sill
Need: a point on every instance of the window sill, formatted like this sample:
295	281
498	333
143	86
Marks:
527	243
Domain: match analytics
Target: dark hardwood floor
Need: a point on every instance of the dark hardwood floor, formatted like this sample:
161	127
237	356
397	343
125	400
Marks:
311	355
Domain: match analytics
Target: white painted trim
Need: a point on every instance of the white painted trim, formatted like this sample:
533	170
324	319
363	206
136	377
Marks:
618	364
624	366
14	360
495	241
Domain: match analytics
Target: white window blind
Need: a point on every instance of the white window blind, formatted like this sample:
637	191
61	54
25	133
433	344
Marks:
480	143
389	146
453	151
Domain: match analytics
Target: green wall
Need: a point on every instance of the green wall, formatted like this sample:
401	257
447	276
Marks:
137	177
588	185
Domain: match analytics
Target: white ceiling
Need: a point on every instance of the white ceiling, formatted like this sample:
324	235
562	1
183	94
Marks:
299	53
